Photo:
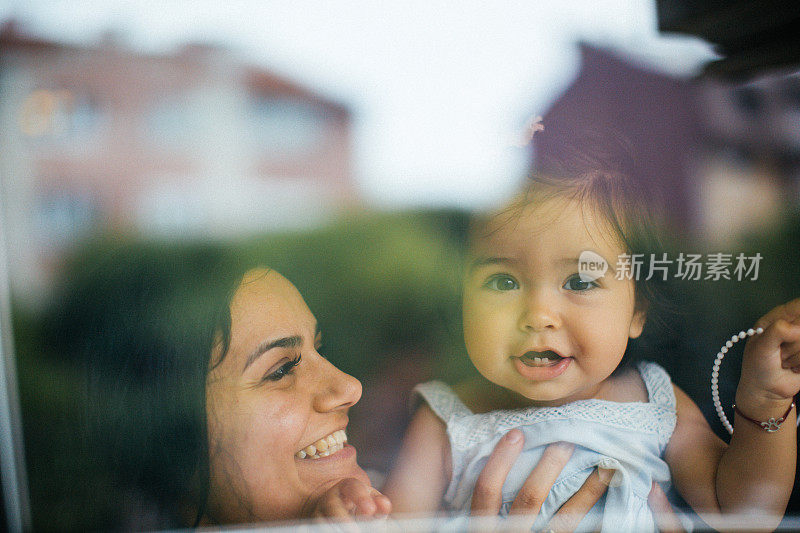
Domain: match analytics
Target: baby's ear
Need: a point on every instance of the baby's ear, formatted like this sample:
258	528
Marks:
637	322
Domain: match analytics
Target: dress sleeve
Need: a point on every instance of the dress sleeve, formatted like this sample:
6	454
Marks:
440	398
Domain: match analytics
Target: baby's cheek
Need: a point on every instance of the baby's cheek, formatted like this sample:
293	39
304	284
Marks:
604	336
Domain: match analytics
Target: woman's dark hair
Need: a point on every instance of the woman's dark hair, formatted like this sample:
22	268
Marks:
145	319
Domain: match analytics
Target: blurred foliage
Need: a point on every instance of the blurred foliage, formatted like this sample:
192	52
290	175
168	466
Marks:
381	286
378	285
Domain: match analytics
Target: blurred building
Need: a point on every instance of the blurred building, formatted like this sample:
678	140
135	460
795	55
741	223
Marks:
724	156
190	144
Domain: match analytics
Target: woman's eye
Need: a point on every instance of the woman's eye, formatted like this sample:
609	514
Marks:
284	370
575	283
502	282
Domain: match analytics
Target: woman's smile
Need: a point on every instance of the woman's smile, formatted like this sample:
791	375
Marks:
324	447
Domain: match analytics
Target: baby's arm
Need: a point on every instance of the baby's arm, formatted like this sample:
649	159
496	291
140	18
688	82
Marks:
422	470
755	472
693	454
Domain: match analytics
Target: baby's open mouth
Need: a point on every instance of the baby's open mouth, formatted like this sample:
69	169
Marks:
324	446
546	358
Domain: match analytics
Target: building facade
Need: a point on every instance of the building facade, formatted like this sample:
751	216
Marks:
192	144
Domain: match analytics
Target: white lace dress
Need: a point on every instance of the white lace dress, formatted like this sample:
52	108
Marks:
630	437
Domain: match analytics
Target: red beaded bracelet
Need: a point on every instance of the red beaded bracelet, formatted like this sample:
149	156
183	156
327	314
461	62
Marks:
772	425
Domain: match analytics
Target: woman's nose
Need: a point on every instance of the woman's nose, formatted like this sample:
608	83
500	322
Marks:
539	311
337	389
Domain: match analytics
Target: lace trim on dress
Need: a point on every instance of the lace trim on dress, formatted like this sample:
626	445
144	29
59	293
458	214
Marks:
654	417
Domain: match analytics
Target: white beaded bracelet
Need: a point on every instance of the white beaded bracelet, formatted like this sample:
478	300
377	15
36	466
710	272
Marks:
715	378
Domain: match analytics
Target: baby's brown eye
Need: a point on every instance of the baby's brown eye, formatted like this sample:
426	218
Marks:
502	282
575	283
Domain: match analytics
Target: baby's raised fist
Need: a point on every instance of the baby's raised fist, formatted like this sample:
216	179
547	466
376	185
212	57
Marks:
771	362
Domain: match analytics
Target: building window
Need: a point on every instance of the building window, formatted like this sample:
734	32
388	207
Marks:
65	216
85	117
172	124
62	113
286	127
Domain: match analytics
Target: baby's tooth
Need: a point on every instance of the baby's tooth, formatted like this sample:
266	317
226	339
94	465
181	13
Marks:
301	454
331	440
311	449
340	435
322	445
325	454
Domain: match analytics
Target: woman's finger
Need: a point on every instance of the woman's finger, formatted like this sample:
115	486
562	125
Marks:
574	510
534	492
666	519
486	496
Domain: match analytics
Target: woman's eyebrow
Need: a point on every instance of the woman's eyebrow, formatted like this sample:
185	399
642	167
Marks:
283	342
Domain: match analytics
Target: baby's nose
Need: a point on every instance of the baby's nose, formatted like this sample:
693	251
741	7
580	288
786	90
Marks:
540	310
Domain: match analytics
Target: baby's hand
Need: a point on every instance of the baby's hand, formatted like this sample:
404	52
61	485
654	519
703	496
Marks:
350	498
771	363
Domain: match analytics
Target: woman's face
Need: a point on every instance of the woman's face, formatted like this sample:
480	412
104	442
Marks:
272	396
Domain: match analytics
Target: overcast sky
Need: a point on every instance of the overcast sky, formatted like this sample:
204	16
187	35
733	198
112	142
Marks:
438	88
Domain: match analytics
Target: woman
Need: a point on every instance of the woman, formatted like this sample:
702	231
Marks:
277	411
209	398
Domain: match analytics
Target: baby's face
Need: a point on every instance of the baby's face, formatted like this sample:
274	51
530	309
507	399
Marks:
530	324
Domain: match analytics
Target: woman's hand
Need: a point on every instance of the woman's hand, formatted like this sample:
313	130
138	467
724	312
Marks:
486	497
487	500
666	519
350	498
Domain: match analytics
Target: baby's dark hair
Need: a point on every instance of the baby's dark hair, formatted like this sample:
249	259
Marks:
598	170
